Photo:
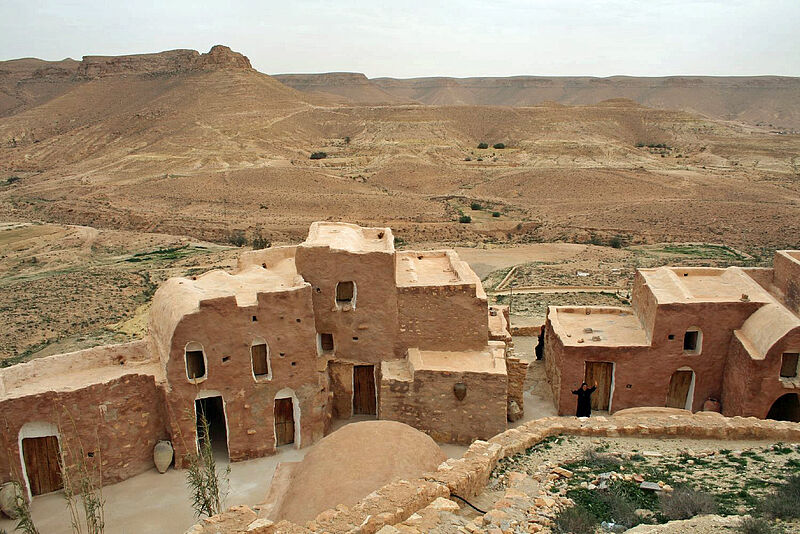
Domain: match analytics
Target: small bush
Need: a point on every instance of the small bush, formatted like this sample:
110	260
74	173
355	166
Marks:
499	146
468	158
13	180
784	502
465	219
483	145
237	238
476	206
685	503
347	140
319	155
260	241
599	460
757	525
575	520
495	214
616	242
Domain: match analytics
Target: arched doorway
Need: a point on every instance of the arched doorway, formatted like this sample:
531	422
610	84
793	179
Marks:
681	389
786	408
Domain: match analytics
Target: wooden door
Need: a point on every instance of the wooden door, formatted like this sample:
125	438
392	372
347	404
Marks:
364	390
602	373
679	386
284	422
42	464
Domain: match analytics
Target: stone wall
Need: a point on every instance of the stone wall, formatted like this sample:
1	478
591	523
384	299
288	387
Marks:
119	421
517	371
428	403
449	317
467	476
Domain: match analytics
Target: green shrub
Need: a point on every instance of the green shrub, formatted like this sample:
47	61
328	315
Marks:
260	241
575	520
784	502
319	155
237	238
495	214
13	180
616	242
483	145
499	146
465	219
685	503
476	206
757	525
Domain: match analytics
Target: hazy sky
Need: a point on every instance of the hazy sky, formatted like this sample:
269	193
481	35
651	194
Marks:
426	38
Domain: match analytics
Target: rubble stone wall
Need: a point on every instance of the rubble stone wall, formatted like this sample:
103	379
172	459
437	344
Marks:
429	404
468	475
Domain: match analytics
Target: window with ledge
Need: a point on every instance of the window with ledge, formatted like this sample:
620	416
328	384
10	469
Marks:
326	342
789	362
195	361
692	341
346	294
259	357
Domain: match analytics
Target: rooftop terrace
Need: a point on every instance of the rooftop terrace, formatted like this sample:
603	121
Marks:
597	326
702	284
349	237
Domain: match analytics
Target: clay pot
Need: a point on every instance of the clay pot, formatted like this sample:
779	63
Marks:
162	455
712	405
460	390
9	493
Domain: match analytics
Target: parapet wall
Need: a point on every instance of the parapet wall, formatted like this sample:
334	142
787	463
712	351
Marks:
468	475
446	317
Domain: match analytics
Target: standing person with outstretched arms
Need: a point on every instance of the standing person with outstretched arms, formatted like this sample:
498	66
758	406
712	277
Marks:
584	394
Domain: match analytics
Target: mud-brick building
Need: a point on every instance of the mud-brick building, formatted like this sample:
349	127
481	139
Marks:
341	325
694	338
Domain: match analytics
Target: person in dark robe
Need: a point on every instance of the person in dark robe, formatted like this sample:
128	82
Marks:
584	394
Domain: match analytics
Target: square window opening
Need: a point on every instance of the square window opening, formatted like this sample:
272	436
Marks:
789	362
326	342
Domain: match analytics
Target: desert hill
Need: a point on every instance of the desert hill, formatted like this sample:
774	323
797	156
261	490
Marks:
772	101
202	144
350	86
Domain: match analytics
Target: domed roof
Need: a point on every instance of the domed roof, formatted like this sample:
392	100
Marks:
349	464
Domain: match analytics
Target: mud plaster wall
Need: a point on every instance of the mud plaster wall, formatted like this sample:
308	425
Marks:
341	378
552	353
751	386
368	332
286	322
429	404
120	421
648	370
447	317
787	279
644	303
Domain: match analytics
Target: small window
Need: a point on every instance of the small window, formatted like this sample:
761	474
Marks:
259	355
789	365
692	340
326	342
345	293
195	361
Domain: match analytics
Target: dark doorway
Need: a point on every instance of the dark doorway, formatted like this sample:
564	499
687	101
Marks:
364	401
214	412
284	422
679	386
602	373
42	464
539	350
786	408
